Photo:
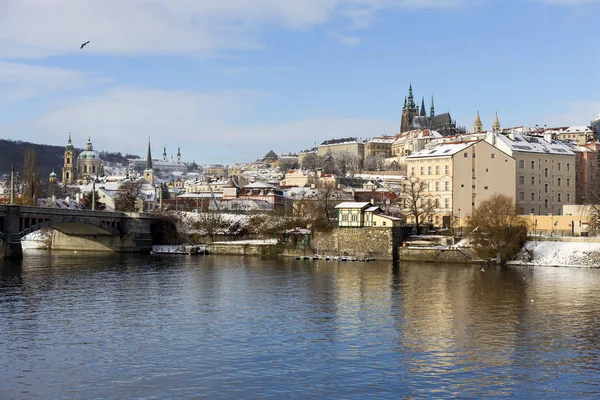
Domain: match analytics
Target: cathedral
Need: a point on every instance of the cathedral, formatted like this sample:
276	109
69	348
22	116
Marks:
415	118
86	167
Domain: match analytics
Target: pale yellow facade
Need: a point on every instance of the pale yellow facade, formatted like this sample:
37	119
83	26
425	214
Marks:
299	178
545	172
459	176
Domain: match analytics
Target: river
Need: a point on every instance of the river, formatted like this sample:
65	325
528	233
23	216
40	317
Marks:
123	326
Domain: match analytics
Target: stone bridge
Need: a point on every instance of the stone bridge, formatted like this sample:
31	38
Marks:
75	229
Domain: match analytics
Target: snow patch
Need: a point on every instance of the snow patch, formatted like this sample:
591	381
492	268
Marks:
560	254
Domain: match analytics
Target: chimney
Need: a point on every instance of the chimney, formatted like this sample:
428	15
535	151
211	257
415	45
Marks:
511	136
372	202
548	137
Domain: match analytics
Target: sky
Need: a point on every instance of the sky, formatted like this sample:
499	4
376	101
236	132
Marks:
229	80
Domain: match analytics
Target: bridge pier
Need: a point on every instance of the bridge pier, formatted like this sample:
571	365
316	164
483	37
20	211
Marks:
12	239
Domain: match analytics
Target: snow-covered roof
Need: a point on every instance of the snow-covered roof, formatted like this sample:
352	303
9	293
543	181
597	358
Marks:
441	150
597	118
578	129
417	134
382	139
260	185
353	204
534	144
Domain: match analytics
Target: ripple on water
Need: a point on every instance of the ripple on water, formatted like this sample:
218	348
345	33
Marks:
130	326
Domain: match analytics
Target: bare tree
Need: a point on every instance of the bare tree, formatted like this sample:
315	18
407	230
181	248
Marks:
129	195
496	228
311	161
416	201
590	207
286	164
210	224
374	163
30	177
346	163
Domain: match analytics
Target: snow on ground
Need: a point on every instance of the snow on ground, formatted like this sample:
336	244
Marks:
576	254
266	241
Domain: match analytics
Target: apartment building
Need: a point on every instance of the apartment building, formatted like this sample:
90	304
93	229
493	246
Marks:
406	143
379	146
545	171
351	145
459	176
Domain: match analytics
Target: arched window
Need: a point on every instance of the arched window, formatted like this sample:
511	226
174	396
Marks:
68	160
93	169
67	175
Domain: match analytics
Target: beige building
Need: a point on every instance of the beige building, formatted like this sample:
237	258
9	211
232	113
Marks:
459	176
305	178
346	145
545	171
364	214
579	134
379	146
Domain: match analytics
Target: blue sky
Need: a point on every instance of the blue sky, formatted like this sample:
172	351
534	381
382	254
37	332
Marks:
229	80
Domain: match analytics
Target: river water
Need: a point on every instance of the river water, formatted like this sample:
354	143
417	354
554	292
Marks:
114	326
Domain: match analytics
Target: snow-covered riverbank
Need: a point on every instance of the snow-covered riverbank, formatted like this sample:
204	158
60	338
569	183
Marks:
559	254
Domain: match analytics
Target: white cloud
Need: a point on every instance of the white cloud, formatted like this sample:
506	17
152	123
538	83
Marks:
575	114
39	28
19	81
209	127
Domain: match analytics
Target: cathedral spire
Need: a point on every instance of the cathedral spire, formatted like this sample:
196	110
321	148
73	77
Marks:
496	126
423	113
431	109
404	106
411	99
149	157
69	142
89	146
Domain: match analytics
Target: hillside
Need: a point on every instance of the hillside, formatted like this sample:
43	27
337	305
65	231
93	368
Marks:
48	157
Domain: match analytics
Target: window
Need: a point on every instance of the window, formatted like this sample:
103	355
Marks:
428	170
437	203
559	166
545	188
447	203
374	223
437	186
533	180
521	179
473	155
422	170
568	167
558	181
466	155
355	231
412	170
521	164
447	169
532	196
345	230
545	172
533	165
545	203
384	223
447	185
354	217
568	197
437	169
522	196
485	187
493	155
568	182
559	197
533	210
344	217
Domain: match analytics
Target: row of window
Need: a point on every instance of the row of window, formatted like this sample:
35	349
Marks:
558	181
430	170
466	155
559	165
559	197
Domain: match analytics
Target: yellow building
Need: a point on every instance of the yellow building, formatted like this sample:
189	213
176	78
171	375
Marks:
364	214
459	176
544	171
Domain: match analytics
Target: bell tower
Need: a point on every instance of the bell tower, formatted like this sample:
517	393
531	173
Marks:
409	111
68	172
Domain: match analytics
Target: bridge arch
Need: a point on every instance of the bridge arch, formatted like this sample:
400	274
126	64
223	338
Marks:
75	226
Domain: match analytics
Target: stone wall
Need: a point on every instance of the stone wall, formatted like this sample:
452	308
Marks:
436	255
378	243
243	249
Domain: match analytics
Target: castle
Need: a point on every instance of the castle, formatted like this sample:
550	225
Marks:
415	118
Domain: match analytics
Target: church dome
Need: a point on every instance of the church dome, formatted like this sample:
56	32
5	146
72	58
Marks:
88	154
52	174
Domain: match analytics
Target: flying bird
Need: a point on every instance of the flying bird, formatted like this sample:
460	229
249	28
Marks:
83	45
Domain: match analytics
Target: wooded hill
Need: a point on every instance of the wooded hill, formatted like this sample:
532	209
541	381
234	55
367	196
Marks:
48	157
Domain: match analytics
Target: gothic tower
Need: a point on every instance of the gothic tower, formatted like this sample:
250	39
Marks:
496	127
422	113
68	172
165	154
431	109
477	125
409	111
149	172
178	155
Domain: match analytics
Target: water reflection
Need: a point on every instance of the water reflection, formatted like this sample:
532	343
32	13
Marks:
123	326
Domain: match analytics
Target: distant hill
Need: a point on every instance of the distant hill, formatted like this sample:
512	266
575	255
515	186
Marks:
48	157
